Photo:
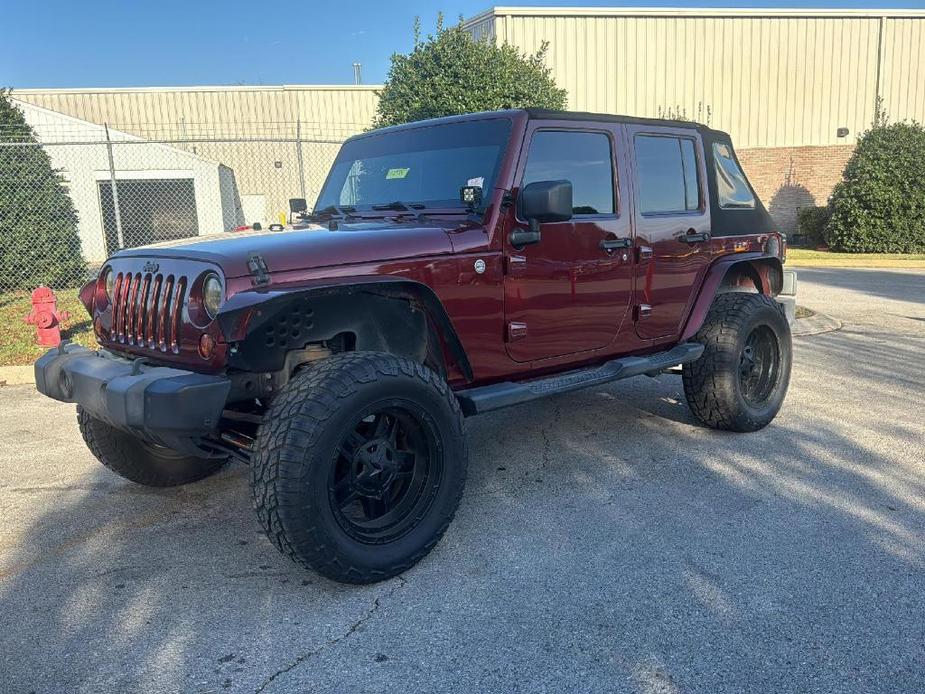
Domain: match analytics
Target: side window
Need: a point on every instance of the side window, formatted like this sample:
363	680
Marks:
669	180
582	158
731	187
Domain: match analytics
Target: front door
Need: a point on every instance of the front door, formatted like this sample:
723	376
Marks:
569	293
672	219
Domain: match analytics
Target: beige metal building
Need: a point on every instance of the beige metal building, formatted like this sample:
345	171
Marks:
772	78
321	111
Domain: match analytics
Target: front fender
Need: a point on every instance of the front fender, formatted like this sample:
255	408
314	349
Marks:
392	314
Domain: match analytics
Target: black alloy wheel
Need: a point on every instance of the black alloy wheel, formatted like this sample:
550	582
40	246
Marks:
385	475
759	365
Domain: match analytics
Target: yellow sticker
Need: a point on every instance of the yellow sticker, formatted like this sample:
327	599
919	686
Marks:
397	173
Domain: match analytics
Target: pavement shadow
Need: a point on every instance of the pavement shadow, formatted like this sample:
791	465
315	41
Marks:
888	284
604	539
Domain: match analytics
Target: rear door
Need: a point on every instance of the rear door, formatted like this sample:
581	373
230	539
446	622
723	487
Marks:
672	220
569	292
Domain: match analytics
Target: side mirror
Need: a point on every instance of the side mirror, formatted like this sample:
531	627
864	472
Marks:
297	205
546	201
539	203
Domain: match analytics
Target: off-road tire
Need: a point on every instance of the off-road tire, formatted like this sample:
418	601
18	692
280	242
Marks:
139	461
712	383
299	442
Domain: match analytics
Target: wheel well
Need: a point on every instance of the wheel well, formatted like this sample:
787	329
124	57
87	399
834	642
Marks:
763	276
402	318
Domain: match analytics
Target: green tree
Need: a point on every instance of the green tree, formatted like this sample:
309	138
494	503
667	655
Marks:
39	243
879	206
449	72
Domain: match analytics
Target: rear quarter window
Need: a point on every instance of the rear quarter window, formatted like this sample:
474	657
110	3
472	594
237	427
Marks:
732	189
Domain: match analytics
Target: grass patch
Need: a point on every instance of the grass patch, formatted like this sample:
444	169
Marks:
17	338
803	312
810	258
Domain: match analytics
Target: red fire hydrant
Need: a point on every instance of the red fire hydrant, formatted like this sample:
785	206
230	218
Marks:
46	317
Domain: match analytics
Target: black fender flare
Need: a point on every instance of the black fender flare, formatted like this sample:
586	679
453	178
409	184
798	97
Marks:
393	314
766	271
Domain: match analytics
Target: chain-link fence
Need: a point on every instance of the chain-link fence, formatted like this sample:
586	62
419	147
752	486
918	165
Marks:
72	193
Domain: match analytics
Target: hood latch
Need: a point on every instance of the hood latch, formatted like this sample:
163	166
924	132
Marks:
258	269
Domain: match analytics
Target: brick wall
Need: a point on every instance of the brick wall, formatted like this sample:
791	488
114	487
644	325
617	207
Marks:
788	178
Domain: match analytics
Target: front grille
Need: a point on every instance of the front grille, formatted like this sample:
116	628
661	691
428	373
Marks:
146	310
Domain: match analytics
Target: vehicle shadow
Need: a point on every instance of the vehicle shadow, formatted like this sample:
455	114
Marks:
604	540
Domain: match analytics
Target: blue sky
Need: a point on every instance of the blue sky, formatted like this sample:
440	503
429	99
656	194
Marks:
106	43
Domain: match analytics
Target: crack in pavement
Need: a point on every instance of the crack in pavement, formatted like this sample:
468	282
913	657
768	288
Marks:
333	642
547	444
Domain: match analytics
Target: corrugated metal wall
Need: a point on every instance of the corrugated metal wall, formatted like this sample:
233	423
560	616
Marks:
771	79
235	112
903	87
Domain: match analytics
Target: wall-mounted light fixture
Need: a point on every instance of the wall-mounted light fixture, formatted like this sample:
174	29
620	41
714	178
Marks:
841	132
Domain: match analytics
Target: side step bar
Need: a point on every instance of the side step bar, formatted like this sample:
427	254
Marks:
482	399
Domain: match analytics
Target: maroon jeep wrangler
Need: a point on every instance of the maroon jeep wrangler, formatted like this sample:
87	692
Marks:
452	267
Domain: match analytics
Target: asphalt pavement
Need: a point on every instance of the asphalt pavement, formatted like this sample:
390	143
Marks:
605	542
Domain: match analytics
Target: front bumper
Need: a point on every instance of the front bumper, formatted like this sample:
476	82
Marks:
163	404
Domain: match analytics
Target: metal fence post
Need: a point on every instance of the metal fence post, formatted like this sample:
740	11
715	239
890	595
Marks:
115	191
298	151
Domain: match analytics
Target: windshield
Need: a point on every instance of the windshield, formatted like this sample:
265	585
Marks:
421	167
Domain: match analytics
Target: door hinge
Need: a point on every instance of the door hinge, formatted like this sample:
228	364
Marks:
516	331
643	254
516	264
643	311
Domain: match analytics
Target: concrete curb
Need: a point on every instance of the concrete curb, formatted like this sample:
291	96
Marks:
814	325
17	375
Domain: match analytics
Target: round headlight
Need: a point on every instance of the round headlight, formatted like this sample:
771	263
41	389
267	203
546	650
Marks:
212	294
109	280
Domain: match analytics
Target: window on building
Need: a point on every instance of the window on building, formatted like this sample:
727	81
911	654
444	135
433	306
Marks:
669	180
585	159
731	187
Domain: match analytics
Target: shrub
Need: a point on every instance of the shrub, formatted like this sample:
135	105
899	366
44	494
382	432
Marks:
39	243
879	206
450	73
811	223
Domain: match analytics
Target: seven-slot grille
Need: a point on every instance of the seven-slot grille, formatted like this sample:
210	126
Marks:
146	310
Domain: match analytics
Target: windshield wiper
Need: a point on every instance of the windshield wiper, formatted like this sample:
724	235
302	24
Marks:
401	206
332	212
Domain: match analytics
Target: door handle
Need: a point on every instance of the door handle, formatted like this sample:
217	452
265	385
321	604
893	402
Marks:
614	244
695	237
522	237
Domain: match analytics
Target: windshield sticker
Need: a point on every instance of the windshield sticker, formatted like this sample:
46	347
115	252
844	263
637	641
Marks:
396	173
479	182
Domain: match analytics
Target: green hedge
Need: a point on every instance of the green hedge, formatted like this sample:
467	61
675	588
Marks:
879	206
811	224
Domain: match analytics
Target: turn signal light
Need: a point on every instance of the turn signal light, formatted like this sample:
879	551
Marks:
206	346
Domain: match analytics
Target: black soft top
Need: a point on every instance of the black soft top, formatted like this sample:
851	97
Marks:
548	114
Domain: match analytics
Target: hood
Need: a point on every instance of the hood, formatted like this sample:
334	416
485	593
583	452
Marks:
314	247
